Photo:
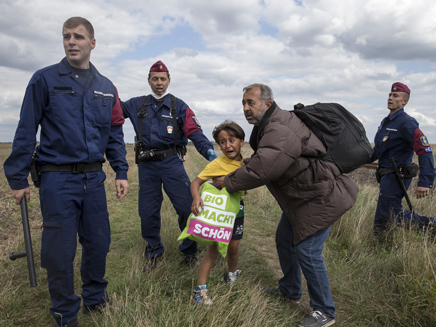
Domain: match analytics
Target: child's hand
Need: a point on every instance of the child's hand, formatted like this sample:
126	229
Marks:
196	204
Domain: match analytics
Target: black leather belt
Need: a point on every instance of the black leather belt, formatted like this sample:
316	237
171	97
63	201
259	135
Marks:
74	168
384	171
160	155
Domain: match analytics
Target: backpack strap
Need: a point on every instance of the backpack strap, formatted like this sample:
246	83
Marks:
173	114
141	114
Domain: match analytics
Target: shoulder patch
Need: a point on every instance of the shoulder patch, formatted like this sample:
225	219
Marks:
424	141
196	121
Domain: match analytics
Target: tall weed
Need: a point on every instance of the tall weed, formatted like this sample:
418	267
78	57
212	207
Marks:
374	283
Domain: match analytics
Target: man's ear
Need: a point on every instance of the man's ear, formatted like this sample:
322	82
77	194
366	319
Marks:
268	104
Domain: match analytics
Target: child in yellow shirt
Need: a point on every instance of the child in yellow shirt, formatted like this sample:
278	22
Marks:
230	138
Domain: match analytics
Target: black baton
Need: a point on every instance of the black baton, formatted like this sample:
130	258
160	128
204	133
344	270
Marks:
28	243
400	180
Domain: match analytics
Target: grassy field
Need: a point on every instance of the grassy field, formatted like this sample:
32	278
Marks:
388	283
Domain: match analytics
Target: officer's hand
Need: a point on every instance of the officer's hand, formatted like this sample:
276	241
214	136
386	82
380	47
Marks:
212	155
122	188
422	192
18	194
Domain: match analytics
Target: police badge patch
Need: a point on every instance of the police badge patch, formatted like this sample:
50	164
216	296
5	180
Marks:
424	141
196	121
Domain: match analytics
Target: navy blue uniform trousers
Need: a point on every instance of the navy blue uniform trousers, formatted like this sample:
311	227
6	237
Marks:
71	205
171	173
389	205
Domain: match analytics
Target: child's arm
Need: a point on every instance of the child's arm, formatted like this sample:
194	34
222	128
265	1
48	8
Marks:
195	192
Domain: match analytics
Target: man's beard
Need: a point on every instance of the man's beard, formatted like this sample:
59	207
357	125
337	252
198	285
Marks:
256	119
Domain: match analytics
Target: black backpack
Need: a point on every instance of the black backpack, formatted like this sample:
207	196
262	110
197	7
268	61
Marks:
342	134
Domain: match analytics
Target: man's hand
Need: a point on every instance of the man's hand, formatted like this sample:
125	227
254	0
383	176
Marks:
122	188
422	192
220	181
18	194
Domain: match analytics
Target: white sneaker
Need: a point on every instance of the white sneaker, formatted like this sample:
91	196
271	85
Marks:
200	296
232	277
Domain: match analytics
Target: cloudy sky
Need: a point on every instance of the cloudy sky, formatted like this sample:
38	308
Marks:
307	51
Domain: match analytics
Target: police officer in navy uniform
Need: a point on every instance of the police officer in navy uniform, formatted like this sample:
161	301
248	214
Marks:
81	121
398	137
160	161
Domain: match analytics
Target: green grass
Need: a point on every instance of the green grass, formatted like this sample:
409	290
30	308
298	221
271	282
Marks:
388	283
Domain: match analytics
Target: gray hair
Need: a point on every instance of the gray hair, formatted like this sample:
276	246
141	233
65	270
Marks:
266	93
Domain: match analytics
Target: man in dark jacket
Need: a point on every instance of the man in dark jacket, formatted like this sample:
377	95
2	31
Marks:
286	155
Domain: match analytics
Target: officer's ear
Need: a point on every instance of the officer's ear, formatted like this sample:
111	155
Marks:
405	99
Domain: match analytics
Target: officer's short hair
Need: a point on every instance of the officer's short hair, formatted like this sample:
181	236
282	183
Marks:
231	128
74	22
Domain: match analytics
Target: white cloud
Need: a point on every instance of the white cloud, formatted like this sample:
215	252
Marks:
307	51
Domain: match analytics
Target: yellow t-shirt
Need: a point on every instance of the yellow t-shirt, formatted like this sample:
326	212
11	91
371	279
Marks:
221	166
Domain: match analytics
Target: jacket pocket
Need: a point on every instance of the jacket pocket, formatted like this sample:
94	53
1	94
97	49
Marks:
65	104
102	107
308	191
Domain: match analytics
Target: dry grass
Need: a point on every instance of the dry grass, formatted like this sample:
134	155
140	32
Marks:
388	283
11	229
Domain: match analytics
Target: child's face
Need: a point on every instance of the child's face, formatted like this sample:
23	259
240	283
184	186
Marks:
230	145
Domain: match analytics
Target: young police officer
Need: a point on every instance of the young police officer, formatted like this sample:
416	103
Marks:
163	139
81	121
398	137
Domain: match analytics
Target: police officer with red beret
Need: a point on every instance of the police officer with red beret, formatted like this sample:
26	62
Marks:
399	137
160	159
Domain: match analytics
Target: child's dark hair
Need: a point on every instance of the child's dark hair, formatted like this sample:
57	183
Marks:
230	127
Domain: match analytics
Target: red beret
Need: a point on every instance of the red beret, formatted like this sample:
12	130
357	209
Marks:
400	87
158	66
